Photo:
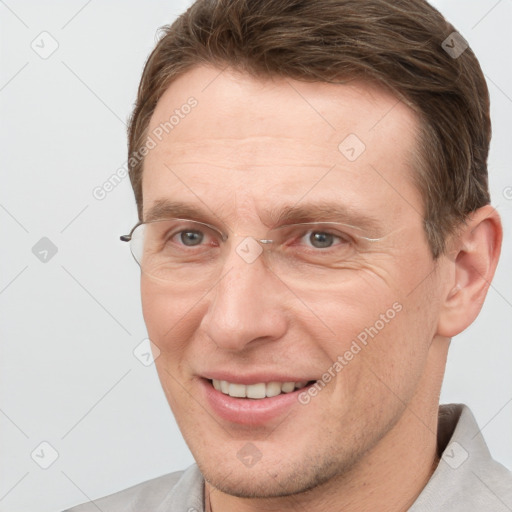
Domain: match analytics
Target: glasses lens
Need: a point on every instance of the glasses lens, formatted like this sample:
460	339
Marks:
312	255
176	249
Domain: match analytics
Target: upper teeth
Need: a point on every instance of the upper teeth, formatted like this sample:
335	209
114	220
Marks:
260	390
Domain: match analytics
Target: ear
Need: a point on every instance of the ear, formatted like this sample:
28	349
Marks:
472	257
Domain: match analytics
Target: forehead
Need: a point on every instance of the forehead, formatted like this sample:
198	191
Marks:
272	140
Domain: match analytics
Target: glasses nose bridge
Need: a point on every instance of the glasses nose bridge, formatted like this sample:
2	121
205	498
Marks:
267	236
248	247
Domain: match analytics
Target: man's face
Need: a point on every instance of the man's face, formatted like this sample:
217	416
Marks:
244	153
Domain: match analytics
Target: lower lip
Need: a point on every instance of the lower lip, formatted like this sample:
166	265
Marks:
249	411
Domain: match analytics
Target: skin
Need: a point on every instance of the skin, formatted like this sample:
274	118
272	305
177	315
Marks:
367	441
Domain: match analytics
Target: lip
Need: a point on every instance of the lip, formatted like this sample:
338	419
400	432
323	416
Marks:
249	411
255	378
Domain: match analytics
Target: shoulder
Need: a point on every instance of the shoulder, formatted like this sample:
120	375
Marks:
145	496
467	478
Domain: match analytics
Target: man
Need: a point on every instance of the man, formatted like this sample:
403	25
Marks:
314	228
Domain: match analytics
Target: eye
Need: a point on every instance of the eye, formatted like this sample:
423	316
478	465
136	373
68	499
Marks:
323	239
191	237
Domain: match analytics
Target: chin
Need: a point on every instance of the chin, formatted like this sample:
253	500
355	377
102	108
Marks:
271	481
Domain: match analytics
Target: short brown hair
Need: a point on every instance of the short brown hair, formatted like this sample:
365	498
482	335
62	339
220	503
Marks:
397	43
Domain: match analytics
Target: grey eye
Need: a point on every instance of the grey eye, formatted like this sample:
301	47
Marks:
321	240
191	238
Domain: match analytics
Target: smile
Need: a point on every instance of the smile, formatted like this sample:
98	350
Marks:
255	402
256	391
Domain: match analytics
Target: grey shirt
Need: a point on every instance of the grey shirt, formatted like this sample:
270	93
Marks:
466	479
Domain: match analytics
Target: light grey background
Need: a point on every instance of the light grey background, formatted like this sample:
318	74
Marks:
69	325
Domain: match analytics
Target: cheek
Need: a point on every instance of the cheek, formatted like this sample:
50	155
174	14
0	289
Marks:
170	320
356	308
397	354
379	328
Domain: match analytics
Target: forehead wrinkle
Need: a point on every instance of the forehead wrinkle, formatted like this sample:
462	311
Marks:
253	148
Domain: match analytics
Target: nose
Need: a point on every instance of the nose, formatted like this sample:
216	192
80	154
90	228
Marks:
247	305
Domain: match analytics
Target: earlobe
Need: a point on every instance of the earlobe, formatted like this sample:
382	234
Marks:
473	259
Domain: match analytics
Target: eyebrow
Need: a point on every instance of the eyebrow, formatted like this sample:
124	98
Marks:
165	209
318	211
323	211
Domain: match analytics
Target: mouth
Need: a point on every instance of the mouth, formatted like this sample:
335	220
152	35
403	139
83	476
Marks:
259	390
255	404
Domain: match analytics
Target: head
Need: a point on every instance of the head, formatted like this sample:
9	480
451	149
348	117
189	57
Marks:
313	111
